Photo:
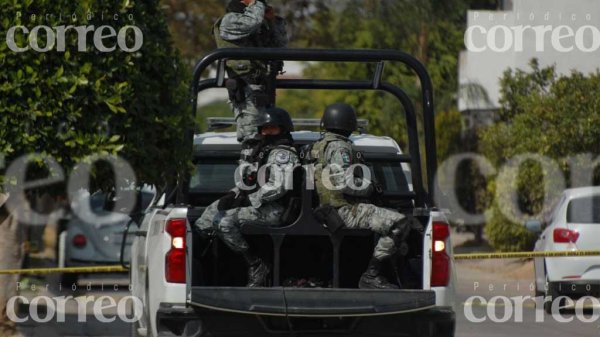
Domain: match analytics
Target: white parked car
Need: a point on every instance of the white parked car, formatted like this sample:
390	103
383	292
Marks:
573	224
84	242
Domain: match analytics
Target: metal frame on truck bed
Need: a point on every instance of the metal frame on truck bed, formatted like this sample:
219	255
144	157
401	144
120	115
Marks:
423	196
306	224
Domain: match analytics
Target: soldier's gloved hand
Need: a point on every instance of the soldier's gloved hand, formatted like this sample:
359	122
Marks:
415	224
377	188
207	233
241	200
233	199
226	202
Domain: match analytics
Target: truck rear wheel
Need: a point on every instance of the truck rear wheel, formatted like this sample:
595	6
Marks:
551	292
439	329
134	329
68	279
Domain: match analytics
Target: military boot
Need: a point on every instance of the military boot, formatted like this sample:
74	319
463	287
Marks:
258	273
372	278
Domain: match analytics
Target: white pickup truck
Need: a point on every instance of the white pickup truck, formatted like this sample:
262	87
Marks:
192	286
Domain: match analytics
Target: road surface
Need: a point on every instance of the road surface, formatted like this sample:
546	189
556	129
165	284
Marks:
510	279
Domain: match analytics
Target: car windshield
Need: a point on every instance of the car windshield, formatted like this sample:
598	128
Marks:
584	210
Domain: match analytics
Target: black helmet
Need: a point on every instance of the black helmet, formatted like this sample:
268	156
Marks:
276	116
236	6
339	117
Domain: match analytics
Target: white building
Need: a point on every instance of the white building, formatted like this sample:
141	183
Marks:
564	33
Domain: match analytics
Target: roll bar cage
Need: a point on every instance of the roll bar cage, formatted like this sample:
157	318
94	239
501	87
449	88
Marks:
423	196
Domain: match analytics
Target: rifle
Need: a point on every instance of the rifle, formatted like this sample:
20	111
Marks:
274	68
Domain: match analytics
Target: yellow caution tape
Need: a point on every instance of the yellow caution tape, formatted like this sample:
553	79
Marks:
473	256
525	255
79	270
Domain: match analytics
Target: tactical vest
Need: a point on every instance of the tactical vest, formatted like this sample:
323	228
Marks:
237	67
332	197
262	156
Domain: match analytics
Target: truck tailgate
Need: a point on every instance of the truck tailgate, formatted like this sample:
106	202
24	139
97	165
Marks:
311	302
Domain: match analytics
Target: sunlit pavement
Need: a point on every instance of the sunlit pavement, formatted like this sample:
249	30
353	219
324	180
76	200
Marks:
507	278
527	326
96	286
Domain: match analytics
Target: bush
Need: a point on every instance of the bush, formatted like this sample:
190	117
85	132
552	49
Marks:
507	236
70	104
549	116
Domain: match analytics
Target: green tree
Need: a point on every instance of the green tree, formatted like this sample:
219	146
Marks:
214	109
448	126
430	30
191	24
548	115
72	104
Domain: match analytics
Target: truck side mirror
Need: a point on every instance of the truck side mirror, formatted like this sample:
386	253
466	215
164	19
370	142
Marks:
534	226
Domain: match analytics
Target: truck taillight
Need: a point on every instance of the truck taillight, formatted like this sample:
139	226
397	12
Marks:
440	261
175	259
79	241
563	235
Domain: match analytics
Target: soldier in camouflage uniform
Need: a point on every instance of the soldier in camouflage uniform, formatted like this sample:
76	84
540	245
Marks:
266	205
334	152
250	23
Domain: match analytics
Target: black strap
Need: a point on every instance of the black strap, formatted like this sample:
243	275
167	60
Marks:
306	154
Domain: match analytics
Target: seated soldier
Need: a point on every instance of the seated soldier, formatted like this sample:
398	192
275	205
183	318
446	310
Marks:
333	156
266	204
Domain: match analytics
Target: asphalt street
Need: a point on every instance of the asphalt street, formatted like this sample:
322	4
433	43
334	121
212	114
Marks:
75	323
533	322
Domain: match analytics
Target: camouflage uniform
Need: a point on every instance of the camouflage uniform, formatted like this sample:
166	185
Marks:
335	152
267	206
249	29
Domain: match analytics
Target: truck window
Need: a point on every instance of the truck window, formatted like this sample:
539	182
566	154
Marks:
390	175
213	176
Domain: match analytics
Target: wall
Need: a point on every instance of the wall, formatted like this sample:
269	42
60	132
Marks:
480	71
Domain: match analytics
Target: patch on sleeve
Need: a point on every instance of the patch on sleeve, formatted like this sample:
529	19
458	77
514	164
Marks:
346	157
282	157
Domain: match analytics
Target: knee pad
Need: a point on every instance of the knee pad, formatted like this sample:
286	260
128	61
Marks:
385	248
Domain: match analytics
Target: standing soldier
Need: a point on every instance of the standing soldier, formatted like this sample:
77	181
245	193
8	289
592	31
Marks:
265	206
250	23
333	157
